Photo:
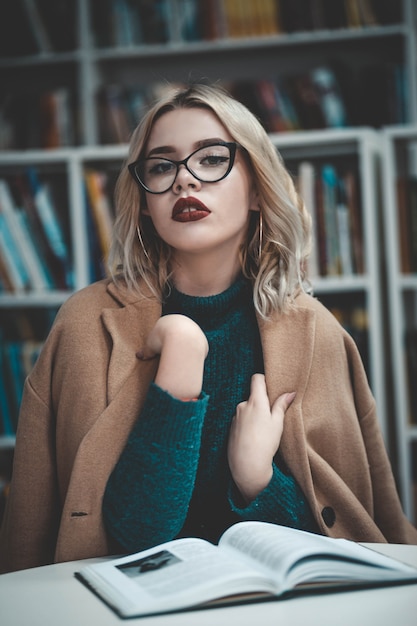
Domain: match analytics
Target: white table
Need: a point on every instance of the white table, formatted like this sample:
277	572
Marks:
52	596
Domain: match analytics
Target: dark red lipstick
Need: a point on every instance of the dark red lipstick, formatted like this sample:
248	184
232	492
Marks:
189	210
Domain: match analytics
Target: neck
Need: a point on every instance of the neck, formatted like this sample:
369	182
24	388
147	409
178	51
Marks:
208	276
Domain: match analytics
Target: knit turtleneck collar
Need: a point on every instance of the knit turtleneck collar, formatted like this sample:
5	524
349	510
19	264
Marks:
207	311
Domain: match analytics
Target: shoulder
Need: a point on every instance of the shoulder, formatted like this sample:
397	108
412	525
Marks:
329	334
88	300
322	315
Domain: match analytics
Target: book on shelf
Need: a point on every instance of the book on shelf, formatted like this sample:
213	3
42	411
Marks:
17	361
412	199
331	101
6	424
96	262
329	180
306	185
37	118
125	23
55	119
14	273
101	207
276	108
252	560
308	100
113	114
17	36
59	18
40	34
22	334
330	195
184	19
350	181
410	343
406	196
344	234
47	213
129	23
248	18
37	27
19	227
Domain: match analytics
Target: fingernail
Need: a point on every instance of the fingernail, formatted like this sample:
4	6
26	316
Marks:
141	356
291	395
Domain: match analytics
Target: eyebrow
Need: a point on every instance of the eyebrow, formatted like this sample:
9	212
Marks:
197	145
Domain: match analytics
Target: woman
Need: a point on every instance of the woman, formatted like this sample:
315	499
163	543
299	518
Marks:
156	408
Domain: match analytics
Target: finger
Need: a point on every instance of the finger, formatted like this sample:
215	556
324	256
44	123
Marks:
284	401
258	387
146	355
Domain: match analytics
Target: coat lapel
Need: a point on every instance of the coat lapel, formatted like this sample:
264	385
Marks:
288	346
128	328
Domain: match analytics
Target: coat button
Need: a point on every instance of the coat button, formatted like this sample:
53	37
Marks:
329	516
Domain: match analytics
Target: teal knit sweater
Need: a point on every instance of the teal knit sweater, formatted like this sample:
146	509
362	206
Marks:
173	479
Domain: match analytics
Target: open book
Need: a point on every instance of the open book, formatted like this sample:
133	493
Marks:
252	559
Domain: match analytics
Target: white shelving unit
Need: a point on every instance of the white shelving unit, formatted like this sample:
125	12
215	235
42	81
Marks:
399	151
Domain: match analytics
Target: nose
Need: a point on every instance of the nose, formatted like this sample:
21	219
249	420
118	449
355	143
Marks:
185	179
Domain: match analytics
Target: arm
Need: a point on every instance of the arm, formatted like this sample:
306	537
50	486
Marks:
148	493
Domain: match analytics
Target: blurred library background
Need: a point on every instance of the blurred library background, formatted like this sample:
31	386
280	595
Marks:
334	82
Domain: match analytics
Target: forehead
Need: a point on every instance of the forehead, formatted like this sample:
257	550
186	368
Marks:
186	127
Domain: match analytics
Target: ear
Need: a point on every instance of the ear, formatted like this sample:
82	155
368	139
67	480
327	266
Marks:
254	200
143	204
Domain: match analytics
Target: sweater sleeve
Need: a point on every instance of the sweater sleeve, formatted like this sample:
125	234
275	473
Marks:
281	502
147	495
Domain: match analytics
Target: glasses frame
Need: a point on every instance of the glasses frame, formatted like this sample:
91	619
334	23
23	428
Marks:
231	145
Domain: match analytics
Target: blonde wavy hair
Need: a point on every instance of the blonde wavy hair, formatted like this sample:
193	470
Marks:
278	272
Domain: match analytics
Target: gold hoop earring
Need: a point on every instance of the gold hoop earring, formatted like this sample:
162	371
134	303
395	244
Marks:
141	243
260	234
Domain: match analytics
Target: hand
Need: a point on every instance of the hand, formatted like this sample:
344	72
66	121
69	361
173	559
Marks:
183	348
254	439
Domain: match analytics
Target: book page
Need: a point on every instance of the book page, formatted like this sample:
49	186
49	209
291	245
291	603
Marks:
173	575
293	556
184	565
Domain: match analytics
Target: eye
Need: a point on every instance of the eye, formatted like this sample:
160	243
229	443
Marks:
214	160
212	156
156	167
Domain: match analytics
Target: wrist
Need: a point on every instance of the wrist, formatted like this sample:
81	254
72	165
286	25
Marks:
251	485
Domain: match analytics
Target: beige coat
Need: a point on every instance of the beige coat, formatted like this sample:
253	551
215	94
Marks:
88	387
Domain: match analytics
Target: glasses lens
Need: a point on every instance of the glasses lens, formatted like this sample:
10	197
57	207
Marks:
210	164
156	174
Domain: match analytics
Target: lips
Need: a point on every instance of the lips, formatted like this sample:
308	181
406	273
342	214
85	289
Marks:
189	210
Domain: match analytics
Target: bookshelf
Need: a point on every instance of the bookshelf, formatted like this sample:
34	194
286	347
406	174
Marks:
400	193
349	148
56	118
